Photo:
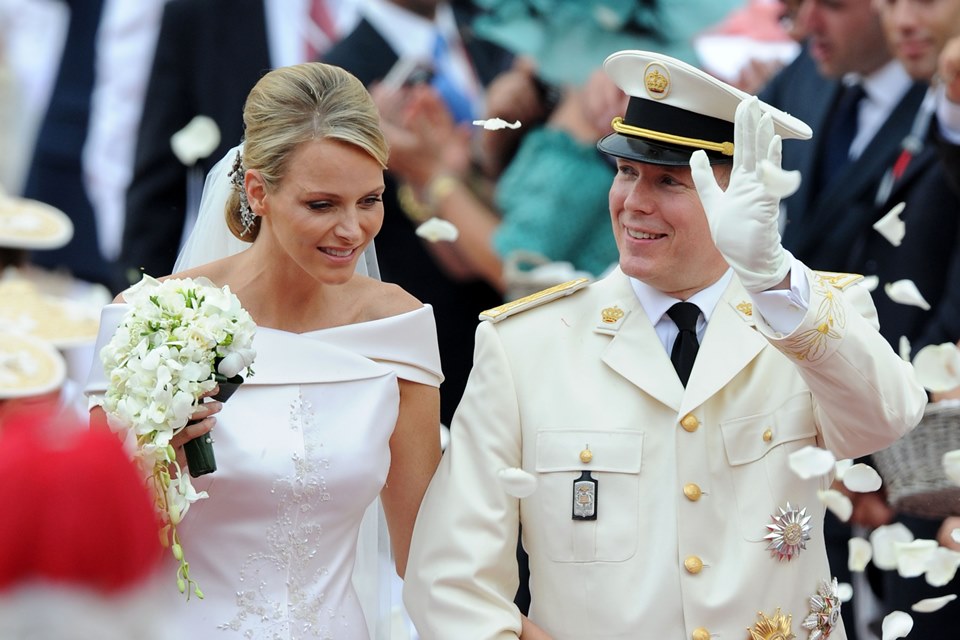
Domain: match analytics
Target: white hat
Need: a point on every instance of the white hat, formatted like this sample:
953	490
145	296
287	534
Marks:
29	366
59	320
31	224
675	109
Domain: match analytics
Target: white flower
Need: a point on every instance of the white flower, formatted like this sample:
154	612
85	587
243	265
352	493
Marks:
883	540
951	466
841	468
870	282
494	124
810	462
897	625
517	482
906	292
929	605
862	478
859	554
180	495
435	230
938	366
195	141
839	504
891	227
913	557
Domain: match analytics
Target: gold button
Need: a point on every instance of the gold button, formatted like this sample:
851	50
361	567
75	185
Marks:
693	565
586	456
690	422
692	492
768	435
700	634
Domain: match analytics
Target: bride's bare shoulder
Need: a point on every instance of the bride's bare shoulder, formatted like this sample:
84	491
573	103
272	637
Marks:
384	299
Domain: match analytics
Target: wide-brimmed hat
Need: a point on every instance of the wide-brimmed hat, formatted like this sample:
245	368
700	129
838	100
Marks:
29	366
31	224
675	109
61	321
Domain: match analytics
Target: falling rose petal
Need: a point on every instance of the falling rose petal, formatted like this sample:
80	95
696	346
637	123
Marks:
778	182
436	230
195	141
517	482
904	348
882	540
929	605
845	591
811	462
913	557
942	567
897	625
494	124
891	226
841	468
839	504
951	466
938	366
955	535
859	554
906	292
862	478
870	282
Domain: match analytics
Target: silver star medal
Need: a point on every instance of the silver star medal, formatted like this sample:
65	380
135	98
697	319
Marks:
789	533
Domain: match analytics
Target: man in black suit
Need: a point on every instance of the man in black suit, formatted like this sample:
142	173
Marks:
370	52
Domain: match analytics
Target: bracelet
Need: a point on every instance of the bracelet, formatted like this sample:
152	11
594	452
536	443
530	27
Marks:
439	188
411	205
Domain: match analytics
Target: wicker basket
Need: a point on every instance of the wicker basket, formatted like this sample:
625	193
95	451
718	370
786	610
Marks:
912	467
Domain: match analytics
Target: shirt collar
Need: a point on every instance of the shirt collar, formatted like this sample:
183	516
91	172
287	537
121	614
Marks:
656	303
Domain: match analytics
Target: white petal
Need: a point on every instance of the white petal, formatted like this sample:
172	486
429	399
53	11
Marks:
778	182
897	625
883	538
435	230
891	227
845	591
195	141
942	567
929	605
841	468
811	462
955	535
913	557
904	348
938	366
906	292
839	504
493	124
870	282
862	478
951	467
517	482
859	554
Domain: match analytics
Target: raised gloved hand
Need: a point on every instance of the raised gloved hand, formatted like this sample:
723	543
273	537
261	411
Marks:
743	219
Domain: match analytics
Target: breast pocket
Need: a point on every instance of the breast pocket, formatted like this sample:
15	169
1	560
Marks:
614	461
757	449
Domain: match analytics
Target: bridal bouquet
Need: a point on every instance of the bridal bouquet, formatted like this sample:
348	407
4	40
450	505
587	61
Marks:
177	341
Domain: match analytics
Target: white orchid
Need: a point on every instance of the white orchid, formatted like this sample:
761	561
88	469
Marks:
161	360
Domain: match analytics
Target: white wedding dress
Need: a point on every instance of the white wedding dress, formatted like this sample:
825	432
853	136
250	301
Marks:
302	450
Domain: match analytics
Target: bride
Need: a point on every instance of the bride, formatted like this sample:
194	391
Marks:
344	406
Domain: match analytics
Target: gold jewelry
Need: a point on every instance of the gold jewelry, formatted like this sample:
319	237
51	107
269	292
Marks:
726	148
439	188
411	205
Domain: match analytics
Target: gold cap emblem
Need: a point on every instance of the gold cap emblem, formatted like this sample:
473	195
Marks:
656	78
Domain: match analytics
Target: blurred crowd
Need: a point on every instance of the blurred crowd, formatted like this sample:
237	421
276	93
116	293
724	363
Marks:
93	92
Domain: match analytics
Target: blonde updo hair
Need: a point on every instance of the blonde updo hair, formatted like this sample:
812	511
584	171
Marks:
297	104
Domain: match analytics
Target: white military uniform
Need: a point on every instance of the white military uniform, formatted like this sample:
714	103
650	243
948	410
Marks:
688	479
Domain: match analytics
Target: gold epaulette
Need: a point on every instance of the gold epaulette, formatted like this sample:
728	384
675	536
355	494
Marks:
838	280
533	300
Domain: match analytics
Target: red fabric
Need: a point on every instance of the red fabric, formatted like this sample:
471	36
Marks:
75	509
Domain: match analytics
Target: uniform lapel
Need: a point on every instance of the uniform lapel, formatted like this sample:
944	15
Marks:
729	345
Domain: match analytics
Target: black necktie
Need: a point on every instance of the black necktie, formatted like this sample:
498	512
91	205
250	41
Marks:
685	347
839	133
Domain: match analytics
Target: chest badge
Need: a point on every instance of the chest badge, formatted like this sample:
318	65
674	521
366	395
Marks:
789	532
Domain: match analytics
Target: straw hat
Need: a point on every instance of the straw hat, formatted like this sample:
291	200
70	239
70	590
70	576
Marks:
29	366
30	224
61	321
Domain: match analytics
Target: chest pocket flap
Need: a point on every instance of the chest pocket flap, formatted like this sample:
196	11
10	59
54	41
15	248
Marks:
749	439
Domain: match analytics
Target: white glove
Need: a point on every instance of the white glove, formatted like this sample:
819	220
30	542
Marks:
743	219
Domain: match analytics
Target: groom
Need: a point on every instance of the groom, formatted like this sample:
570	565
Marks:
639	428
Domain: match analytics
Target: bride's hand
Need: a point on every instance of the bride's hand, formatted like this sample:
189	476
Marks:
201	422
